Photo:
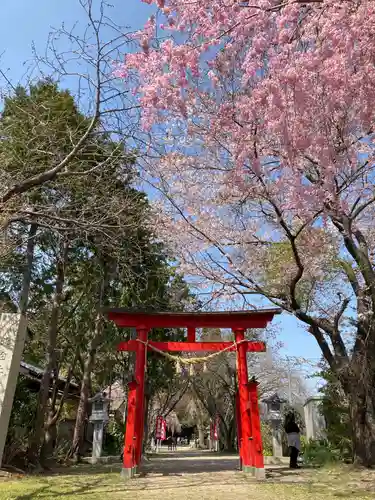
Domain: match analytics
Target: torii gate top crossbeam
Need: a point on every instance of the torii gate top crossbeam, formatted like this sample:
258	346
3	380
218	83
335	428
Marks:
233	319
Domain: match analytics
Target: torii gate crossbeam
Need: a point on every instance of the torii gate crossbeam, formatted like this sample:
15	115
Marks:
248	418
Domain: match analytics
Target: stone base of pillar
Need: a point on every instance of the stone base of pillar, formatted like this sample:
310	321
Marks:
248	469
260	474
127	473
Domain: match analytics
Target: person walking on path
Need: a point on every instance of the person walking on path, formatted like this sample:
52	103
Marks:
294	442
170	443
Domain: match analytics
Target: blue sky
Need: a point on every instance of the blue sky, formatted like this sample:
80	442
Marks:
25	22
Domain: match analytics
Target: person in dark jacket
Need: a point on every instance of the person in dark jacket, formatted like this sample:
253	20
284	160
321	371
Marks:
293	434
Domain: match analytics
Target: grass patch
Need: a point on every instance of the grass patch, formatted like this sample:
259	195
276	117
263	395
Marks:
105	483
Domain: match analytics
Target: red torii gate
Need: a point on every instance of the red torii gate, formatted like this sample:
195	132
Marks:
248	419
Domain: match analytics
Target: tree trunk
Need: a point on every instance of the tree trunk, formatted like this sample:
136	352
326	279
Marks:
146	430
50	432
229	442
361	396
201	443
78	437
26	278
227	435
363	427
50	438
36	440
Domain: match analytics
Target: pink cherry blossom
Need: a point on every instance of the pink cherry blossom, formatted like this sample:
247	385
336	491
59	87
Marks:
267	182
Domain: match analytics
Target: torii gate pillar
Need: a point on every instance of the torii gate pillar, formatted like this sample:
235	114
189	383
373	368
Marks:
245	441
136	409
258	459
140	375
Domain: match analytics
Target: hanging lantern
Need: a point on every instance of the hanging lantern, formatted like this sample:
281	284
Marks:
191	370
205	369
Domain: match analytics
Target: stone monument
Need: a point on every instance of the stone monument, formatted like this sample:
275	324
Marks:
274	417
99	417
12	339
314	420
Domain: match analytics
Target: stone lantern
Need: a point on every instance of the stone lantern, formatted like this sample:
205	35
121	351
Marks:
274	417
99	417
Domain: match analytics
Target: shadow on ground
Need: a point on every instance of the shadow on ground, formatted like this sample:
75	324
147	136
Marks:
185	463
82	469
178	463
186	474
47	491
273	472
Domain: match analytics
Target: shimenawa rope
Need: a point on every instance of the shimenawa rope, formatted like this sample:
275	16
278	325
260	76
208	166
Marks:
190	361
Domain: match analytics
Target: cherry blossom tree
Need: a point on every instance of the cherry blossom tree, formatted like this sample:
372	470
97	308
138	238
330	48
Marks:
264	112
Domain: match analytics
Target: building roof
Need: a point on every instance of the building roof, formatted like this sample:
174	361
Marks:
313	398
100	396
34	374
272	397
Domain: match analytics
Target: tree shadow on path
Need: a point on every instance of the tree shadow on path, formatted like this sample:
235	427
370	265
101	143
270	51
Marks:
47	491
180	464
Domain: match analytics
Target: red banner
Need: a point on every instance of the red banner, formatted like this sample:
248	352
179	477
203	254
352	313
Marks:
159	425
163	430
160	428
214	431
